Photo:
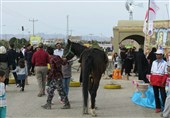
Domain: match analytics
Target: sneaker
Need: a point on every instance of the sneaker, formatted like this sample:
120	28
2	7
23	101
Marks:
17	85
40	95
46	106
61	101
66	106
163	116
157	110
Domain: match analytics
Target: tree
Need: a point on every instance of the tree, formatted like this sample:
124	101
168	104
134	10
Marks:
19	43
13	40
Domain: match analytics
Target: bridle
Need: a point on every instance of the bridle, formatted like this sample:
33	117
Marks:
69	51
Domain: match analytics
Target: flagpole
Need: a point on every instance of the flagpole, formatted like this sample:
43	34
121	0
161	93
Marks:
148	9
148	15
147	25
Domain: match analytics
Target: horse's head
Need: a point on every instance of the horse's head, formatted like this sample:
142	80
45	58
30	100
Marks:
68	51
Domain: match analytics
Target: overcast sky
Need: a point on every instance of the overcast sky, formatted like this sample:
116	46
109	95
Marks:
85	17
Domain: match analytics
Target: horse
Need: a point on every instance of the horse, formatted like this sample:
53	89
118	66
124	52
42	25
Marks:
93	64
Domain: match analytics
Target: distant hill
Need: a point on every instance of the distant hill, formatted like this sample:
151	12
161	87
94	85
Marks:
53	36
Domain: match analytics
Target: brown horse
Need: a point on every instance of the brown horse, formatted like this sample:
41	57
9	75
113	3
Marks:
93	64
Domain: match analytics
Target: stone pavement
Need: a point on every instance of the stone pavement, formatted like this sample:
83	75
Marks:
111	103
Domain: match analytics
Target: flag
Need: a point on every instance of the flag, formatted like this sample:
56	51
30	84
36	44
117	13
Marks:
150	28
150	17
152	10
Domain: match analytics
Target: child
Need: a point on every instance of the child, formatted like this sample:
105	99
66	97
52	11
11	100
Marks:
2	95
66	70
116	74
116	60
22	73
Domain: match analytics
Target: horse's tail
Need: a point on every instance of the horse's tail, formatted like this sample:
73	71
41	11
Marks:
85	76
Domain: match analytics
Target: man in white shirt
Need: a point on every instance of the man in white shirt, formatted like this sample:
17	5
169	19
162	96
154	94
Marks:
158	79
58	51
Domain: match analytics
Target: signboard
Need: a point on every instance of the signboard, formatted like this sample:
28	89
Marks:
35	40
163	36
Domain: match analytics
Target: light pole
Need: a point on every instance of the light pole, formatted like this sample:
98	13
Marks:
33	20
67	32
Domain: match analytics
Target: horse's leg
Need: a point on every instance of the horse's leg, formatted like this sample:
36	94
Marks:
80	80
93	93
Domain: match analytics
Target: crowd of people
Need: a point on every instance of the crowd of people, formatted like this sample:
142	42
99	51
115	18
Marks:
155	63
29	61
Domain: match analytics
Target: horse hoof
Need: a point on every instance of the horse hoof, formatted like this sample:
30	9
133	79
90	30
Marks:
93	113
85	111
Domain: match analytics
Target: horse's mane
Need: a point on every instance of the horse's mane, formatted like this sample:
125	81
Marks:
78	48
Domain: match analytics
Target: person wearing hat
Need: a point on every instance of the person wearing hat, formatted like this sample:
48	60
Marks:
4	63
40	59
58	51
166	110
158	78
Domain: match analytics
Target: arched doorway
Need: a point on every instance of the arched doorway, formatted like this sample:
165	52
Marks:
137	38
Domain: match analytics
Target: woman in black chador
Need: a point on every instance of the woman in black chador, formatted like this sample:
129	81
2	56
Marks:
142	66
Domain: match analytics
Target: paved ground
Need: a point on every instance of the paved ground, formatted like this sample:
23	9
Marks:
111	103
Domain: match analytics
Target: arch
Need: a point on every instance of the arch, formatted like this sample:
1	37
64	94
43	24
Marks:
139	39
134	30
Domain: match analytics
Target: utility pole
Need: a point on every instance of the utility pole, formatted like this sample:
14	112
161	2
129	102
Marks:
167	8
67	27
33	20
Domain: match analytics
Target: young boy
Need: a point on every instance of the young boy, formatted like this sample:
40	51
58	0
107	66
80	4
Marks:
2	95
166	110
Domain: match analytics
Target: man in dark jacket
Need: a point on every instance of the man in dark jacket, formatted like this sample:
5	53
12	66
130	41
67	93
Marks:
151	57
12	61
28	57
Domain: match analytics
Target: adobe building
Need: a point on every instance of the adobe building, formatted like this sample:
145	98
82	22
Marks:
133	30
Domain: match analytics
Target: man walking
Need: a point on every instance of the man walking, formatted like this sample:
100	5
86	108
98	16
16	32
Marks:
40	59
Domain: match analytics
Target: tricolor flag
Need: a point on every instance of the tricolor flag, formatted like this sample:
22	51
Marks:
150	17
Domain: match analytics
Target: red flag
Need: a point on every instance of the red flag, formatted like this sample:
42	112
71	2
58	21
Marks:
151	12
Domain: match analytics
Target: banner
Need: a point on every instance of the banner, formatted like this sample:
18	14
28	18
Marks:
35	40
150	17
150	28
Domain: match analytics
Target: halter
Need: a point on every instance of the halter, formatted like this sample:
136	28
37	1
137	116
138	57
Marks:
69	51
